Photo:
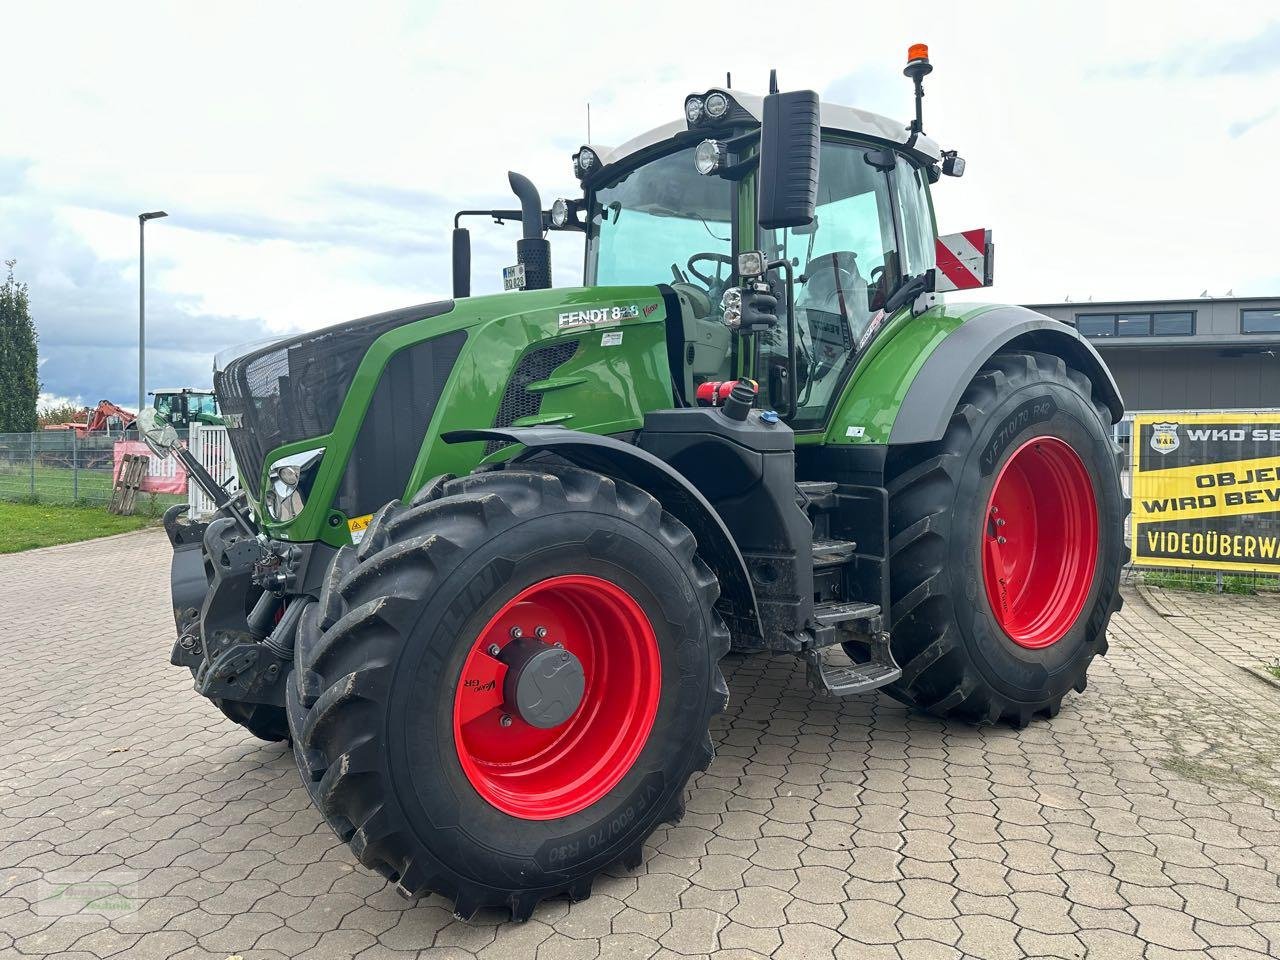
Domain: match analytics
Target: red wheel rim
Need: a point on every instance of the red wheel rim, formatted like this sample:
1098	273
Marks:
1040	542
540	774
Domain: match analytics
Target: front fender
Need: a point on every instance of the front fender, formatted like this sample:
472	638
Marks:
625	461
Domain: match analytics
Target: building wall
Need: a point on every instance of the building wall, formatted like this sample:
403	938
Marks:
1216	321
1217	367
1194	378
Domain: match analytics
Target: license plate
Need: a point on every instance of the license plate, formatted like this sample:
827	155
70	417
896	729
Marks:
513	277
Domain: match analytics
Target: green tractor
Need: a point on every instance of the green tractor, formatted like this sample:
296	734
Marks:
183	406
490	550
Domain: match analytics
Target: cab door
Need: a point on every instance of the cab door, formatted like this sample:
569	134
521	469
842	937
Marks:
873	228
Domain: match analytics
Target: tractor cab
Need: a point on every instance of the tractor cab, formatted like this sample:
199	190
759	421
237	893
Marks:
183	406
674	207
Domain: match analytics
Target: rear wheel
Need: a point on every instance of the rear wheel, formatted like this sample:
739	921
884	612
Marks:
507	686
1006	543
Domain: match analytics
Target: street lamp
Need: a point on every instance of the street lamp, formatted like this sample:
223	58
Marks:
142	305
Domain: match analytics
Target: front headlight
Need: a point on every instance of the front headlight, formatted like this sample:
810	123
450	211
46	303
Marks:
709	156
731	307
288	483
716	105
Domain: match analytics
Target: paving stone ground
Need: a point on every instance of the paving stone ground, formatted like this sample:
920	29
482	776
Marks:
1143	821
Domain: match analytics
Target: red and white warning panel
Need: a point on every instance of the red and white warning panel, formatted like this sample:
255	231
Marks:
964	260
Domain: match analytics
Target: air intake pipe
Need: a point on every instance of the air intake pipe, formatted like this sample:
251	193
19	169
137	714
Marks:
532	250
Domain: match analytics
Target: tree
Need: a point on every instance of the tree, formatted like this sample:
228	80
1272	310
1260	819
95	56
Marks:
61	413
19	384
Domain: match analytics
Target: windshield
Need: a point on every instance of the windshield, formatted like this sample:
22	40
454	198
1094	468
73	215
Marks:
663	223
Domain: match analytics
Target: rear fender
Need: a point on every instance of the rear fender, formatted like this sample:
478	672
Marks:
935	392
624	461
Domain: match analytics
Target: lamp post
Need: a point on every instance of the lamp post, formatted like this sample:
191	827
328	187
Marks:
142	304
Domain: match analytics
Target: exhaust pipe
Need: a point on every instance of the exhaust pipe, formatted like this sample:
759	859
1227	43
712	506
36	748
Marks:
532	250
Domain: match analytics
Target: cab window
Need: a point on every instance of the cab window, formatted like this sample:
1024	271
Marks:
846	266
917	218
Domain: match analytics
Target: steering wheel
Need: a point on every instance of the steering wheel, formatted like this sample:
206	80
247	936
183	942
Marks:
720	258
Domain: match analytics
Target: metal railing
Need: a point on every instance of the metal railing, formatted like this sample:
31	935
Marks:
210	446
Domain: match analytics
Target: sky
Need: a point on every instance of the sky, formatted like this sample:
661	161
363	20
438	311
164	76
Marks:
311	156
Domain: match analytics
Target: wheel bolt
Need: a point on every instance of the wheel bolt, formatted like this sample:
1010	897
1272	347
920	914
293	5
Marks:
540	633
1001	540
1000	522
494	649
506	720
516	633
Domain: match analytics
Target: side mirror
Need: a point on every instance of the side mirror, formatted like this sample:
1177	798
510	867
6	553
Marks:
156	432
461	262
790	133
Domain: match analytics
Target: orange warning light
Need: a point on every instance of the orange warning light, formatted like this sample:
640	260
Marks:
918	51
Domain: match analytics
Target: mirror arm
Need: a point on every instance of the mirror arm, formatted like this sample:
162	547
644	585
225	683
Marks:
792	400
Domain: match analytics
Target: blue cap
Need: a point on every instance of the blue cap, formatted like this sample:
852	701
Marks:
769	416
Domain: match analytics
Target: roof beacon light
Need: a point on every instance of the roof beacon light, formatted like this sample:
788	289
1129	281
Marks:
918	67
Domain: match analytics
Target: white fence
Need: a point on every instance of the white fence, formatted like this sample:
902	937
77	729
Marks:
210	447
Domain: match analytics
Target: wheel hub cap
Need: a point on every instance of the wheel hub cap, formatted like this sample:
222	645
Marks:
1040	542
544	684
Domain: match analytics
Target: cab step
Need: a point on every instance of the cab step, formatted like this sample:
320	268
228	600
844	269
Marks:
854	615
819	494
829	553
848	679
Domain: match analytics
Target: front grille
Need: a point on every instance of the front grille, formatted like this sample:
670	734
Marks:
518	401
293	389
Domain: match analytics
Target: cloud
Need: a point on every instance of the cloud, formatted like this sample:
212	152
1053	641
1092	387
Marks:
85	311
1240	127
1257	54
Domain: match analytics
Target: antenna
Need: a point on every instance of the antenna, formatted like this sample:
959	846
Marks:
728	79
773	81
588	121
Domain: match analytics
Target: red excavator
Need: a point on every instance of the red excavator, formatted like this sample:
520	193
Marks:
106	418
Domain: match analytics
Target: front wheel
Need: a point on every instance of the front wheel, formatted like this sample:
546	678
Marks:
506	687
1006	543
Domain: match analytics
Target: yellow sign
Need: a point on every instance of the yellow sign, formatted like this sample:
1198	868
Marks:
1206	491
357	527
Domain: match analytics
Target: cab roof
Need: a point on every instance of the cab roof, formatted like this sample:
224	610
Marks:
832	116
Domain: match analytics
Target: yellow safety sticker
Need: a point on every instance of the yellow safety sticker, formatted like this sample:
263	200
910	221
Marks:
357	527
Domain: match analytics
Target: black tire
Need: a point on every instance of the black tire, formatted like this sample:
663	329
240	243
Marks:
264	721
956	659
378	659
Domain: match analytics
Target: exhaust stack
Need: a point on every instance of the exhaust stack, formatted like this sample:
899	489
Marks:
533	250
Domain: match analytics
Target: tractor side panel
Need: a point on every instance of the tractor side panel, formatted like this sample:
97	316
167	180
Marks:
595	360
